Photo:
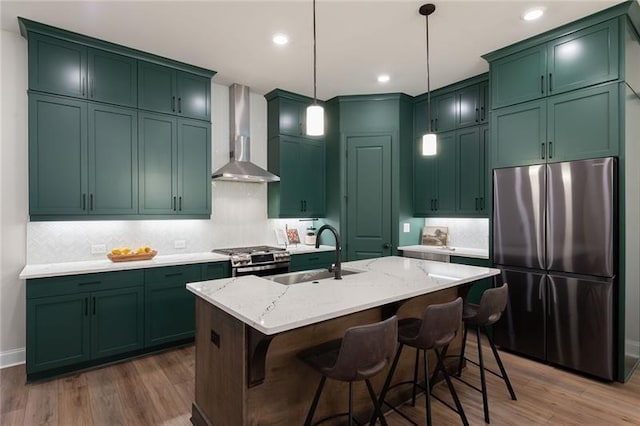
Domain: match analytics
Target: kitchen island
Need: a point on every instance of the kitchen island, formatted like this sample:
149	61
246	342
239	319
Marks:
249	330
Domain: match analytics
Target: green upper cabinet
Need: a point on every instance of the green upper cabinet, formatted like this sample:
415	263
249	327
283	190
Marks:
483	91
175	165
424	184
444	109
468	101
164	89
580	59
435	178
297	159
113	160
471	166
572	126
57	66
57	156
112	78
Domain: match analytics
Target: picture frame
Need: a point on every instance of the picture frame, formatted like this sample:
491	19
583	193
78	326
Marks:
292	236
435	236
281	236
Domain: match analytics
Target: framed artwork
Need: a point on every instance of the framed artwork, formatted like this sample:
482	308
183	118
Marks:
435	236
281	236
292	236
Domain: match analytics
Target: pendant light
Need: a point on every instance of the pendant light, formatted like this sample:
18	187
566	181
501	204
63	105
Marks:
429	140
315	112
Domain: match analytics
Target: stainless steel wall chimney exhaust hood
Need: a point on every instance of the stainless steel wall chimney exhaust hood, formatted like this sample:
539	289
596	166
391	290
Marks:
240	168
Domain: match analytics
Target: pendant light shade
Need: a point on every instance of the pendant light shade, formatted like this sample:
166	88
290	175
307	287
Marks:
429	140
315	112
315	120
429	144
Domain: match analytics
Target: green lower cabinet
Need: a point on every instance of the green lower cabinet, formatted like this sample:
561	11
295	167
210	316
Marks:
58	331
477	288
216	270
117	318
318	260
169	306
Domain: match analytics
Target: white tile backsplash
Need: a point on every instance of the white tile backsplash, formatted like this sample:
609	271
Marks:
464	232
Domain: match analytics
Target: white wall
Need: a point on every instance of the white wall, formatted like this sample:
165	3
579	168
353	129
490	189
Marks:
239	209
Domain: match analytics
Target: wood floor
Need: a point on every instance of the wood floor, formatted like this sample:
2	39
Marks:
158	390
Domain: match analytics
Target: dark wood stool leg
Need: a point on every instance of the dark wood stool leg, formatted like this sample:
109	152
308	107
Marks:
427	392
483	382
502	370
376	406
314	404
464	346
452	390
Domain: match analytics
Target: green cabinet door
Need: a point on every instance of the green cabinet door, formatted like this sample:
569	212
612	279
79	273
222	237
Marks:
485	192
519	77
424	184
58	332
471	170
156	88
116	321
519	134
446	174
312	166
583	58
57	66
215	270
483	93
157	140
113	160
57	156
194	96
583	124
468	102
290	117
445	112
194	167
170	307
112	78
292	187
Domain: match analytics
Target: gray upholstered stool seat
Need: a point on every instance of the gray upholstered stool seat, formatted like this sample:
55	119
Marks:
363	352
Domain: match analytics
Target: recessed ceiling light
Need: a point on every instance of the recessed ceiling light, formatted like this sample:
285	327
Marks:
280	39
533	14
383	78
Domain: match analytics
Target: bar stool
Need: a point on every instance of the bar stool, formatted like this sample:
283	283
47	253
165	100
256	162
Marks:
363	352
488	312
435	330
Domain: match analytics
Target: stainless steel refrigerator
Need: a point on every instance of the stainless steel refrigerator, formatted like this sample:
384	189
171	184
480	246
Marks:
555	238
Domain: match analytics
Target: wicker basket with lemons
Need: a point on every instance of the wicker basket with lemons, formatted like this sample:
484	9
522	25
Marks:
126	254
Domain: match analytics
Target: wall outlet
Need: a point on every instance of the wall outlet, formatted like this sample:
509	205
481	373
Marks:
406	227
98	248
179	244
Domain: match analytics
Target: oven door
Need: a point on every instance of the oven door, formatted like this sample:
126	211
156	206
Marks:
261	270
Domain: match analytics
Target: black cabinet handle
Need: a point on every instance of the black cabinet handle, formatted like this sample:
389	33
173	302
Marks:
84	201
550	149
542	151
550	82
431	127
180	203
180	104
482	116
94	305
90	283
173	274
173	103
86	306
313	259
542	84
481	203
431	201
92	86
82	85
301	206
305	205
90	201
174	204
436	129
477	114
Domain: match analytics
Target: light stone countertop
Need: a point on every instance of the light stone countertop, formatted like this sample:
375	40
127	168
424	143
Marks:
272	308
451	251
105	265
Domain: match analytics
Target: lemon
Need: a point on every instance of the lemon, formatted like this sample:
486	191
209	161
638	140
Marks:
147	249
126	250
116	251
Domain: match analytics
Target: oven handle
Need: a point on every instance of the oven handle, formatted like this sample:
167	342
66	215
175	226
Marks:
253	268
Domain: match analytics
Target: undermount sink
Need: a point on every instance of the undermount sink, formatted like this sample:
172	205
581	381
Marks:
307	276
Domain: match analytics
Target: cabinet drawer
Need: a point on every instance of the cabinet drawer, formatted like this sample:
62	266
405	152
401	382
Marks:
55	286
213	271
169	274
301	262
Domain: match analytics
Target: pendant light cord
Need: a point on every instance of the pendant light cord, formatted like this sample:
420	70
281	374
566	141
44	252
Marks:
315	100
428	79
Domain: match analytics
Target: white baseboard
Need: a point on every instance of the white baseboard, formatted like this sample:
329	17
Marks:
12	357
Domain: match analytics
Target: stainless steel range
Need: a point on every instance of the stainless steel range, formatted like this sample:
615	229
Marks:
258	260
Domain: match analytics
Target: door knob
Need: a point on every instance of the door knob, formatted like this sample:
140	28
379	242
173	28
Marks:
386	246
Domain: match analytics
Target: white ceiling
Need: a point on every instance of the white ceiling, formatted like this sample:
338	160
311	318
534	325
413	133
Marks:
357	40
